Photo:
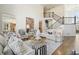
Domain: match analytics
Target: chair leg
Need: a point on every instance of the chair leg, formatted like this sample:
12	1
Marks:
36	51
45	50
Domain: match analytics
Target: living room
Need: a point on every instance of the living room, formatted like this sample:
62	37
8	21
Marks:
41	28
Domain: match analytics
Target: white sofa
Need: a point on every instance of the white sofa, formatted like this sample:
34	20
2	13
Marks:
3	43
55	34
9	47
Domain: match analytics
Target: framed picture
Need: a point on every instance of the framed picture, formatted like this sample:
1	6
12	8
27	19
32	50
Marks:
29	23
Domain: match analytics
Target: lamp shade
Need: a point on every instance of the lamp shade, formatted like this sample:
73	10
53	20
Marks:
28	26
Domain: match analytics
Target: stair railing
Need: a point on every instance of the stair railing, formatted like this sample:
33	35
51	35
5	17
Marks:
59	20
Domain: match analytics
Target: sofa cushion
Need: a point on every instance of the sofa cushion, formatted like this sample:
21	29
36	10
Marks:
19	47
7	51
1	49
3	41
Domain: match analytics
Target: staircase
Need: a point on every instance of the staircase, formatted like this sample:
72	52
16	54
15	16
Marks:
58	20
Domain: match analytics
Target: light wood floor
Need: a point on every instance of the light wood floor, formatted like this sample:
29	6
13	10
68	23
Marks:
66	47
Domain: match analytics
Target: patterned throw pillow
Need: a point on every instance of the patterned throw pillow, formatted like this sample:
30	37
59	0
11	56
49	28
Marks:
7	51
19	47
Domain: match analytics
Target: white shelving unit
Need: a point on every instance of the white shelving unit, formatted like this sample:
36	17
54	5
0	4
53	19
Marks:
4	21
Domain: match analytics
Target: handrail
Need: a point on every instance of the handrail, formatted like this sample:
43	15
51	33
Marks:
58	18
57	15
57	21
51	14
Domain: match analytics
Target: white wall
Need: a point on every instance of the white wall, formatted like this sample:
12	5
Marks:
71	10
59	10
69	30
23	11
7	10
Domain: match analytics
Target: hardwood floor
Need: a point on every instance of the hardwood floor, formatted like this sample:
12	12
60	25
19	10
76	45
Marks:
66	47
